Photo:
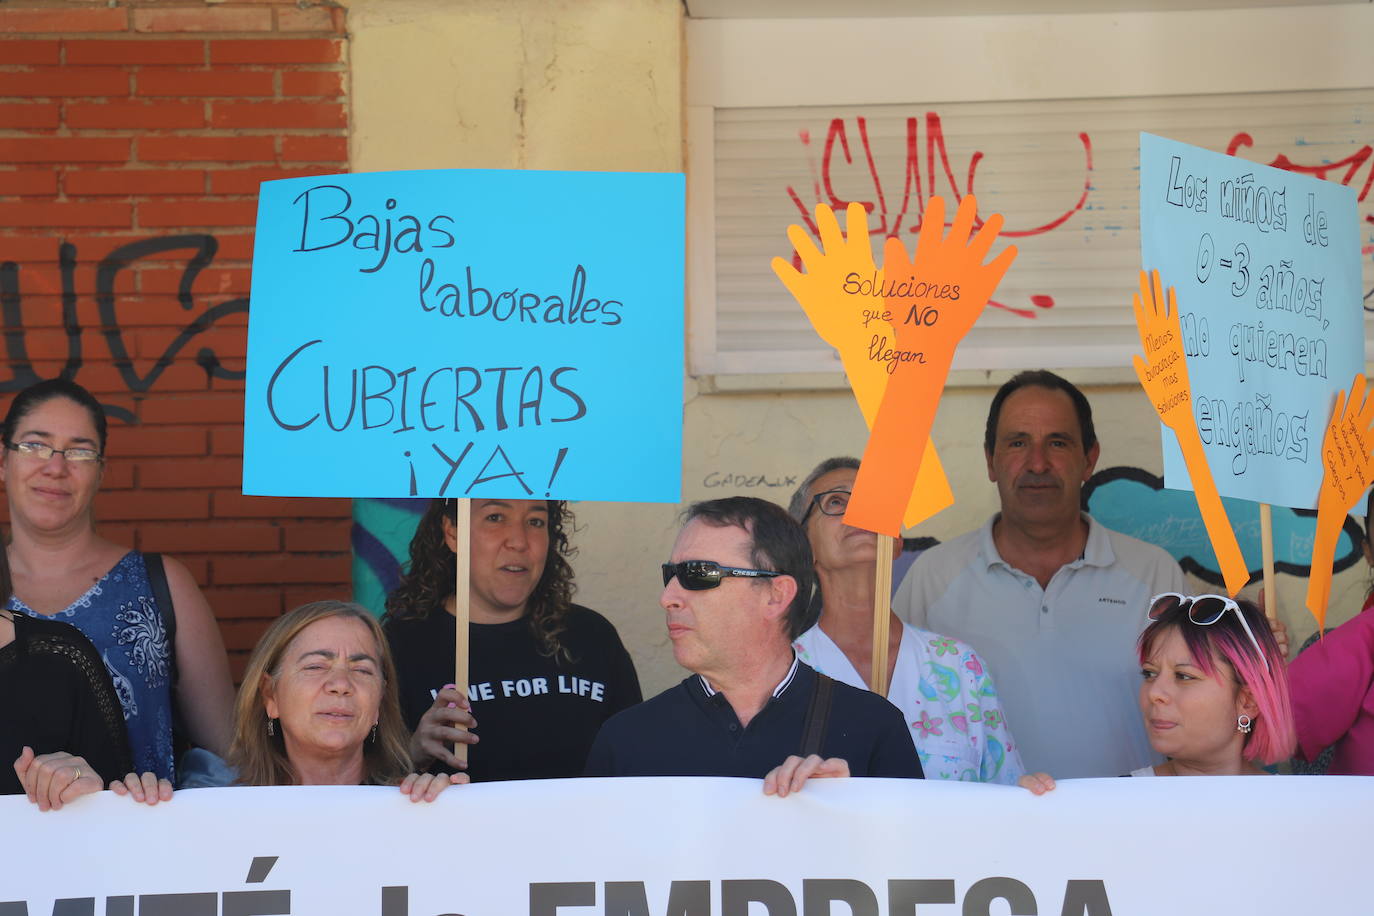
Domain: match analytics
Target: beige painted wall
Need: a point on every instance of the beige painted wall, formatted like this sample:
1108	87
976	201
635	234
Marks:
582	84
597	84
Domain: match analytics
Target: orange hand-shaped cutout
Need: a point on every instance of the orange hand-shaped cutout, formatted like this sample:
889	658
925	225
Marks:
839	319
933	299
1164	376
1349	468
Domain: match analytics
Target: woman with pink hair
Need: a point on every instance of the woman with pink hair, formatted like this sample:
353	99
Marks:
1213	690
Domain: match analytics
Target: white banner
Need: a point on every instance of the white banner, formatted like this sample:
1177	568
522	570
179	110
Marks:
703	847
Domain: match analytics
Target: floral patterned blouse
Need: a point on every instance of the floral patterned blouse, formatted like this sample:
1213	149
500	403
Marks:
947	697
118	614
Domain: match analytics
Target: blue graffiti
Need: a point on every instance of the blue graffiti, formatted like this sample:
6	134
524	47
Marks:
1135	502
382	529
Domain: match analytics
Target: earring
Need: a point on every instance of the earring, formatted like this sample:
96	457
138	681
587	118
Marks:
1243	723
271	727
373	737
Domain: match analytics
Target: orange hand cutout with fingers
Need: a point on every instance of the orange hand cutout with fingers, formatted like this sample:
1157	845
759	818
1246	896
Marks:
1349	470
1163	373
850	322
933	300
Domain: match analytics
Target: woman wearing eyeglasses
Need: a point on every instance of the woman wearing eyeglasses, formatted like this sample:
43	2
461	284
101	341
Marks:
940	684
544	672
1213	691
54	436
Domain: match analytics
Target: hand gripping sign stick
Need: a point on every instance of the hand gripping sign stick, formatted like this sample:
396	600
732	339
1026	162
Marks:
462	558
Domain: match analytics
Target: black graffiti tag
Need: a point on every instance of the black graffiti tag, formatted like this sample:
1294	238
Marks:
202	250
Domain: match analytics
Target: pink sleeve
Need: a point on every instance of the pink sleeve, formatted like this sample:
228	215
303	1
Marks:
1329	682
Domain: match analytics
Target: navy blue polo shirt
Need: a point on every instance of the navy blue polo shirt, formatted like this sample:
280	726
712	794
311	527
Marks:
691	730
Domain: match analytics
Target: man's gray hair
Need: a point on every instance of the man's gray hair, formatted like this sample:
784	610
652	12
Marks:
801	499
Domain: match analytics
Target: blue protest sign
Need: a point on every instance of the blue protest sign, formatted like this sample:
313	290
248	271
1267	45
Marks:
1266	264
467	333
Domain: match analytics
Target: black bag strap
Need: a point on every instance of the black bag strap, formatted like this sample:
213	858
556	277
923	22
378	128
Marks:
817	716
162	597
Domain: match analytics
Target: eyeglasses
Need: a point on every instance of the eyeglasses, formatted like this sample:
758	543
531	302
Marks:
42	451
1204	610
699	575
831	502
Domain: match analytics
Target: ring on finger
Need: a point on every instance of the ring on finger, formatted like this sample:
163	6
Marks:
77	778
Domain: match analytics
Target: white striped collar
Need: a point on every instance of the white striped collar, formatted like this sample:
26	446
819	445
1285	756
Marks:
777	691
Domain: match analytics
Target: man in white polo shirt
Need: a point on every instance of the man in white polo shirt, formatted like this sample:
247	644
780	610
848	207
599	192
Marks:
1052	600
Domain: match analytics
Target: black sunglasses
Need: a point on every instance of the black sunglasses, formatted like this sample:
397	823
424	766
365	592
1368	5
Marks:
698	575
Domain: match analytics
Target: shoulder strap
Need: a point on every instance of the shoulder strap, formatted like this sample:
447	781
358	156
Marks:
162	597
21	631
817	716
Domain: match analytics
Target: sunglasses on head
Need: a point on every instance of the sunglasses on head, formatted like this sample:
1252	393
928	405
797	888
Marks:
1204	610
698	575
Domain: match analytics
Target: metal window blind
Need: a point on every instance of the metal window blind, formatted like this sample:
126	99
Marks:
1064	173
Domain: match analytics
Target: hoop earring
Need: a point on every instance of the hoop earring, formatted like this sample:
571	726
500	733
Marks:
271	727
1243	724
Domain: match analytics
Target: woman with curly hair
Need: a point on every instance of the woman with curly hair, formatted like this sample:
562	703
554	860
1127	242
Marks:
544	673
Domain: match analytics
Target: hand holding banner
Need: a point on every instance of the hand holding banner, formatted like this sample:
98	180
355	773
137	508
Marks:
1346	455
931	302
1164	376
823	291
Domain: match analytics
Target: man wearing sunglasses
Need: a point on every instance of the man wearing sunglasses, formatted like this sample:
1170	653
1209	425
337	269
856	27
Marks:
736	593
1050	599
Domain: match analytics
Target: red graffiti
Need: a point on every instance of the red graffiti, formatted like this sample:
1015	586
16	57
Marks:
1352	165
916	185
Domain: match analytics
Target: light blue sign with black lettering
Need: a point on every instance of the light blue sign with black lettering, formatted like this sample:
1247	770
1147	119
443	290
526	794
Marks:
467	333
1266	264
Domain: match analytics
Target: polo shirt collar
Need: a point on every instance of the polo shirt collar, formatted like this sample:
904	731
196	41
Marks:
1096	552
777	691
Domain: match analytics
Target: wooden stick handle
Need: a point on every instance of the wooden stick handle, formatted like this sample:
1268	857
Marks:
463	563
882	601
1271	595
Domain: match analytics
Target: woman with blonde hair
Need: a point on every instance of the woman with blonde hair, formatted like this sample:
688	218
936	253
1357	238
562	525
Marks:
318	706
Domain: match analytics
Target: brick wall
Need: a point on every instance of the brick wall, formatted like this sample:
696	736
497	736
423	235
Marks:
134	136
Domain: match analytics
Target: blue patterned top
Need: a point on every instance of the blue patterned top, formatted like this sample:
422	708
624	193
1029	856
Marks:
118	614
